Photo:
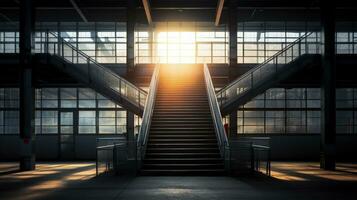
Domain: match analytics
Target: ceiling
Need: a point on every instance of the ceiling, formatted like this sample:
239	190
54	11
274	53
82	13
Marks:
171	10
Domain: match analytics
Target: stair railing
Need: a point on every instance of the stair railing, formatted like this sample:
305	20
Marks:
221	135
92	71
143	135
309	43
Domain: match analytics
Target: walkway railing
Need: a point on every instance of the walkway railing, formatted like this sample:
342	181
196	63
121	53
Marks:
250	154
105	152
146	119
115	155
93	72
307	44
261	156
216	115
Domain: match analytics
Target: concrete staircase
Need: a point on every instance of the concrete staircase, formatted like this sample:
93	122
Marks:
182	140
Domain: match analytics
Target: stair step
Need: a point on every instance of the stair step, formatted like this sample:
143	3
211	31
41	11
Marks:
183	150
181	125
181	140
185	113
178	136
163	100
181	133
191	172
187	106
184	166
183	160
181	120
181	97
183	145
183	110
183	155
202	128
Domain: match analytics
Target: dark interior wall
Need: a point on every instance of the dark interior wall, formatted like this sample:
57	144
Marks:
284	147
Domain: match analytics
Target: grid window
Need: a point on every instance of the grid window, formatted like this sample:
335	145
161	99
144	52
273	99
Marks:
121	121
49	97
9	98
87	122
296	122
46	122
103	102
190	43
68	97
313	121
9	122
344	121
274	122
87	98
253	122
107	122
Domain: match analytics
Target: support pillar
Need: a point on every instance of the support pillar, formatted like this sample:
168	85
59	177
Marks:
27	97
130	130
130	34
232	28
328	90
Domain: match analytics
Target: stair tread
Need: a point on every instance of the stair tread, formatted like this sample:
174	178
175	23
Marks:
182	140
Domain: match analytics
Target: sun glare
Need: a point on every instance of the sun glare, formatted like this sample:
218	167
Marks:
176	47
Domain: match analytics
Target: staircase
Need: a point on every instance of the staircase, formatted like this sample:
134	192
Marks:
84	69
302	53
182	140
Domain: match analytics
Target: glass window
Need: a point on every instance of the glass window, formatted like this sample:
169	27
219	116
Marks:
49	122
275	122
107	122
86	98
313	121
121	121
296	122
103	102
11	122
49	97
344	121
86	122
253	122
68	97
9	98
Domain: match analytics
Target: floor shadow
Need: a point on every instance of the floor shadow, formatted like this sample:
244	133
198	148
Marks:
9	172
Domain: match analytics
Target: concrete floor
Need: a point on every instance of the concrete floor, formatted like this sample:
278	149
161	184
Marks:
67	181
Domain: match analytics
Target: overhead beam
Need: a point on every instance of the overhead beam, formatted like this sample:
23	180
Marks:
5	17
79	11
219	11
147	11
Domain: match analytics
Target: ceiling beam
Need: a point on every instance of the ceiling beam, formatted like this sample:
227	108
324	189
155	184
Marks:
147	10
5	17
219	11
79	11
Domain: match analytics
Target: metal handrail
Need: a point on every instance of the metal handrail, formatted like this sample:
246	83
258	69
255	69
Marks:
107	148
248	76
148	112
216	113
141	94
256	160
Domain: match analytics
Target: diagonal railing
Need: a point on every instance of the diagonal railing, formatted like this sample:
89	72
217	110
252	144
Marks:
143	135
309	43
92	72
221	135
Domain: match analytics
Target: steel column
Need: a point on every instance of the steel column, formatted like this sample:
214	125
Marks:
328	89
27	97
130	31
